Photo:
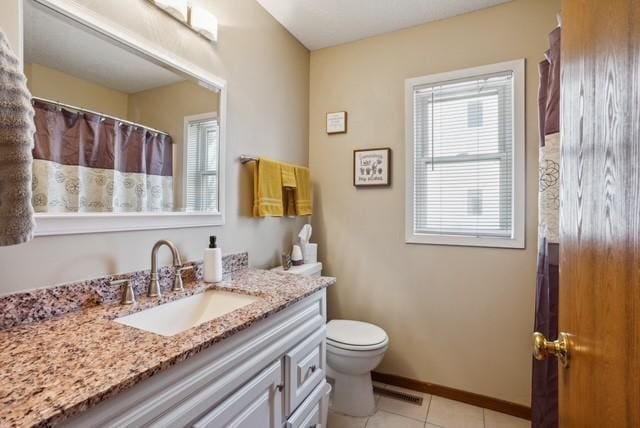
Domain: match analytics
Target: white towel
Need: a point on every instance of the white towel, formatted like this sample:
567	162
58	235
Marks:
16	143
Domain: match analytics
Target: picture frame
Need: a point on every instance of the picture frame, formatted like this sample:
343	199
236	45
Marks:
336	122
372	167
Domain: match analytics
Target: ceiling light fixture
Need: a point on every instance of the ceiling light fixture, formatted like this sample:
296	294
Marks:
195	17
204	22
179	9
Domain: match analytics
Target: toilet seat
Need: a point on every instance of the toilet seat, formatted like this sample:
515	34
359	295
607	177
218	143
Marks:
359	352
352	335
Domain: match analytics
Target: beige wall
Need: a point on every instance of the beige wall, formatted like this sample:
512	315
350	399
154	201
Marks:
456	316
267	71
9	19
58	86
165	108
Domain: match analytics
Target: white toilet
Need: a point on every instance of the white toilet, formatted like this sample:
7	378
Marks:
354	348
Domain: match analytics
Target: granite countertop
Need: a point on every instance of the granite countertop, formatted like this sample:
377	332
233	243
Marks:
53	369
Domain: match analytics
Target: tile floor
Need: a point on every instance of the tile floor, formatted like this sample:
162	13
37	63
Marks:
435	412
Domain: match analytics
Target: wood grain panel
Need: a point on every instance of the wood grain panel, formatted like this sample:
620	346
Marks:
600	212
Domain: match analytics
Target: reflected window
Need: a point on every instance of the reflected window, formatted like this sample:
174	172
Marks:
201	163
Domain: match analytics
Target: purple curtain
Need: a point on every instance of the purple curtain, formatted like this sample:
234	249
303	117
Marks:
86	139
544	395
86	162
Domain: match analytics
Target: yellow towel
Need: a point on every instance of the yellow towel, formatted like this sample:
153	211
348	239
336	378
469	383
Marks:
267	189
288	175
289	184
303	192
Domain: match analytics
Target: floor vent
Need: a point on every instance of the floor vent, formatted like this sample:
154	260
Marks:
402	396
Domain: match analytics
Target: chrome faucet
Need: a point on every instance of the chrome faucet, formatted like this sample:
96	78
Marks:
154	284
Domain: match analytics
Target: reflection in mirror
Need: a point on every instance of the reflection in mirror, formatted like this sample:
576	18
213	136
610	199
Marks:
115	132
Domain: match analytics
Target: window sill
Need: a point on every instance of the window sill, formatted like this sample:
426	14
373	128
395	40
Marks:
465	241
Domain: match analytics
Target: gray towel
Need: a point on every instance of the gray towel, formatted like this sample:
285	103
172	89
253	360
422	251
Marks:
16	142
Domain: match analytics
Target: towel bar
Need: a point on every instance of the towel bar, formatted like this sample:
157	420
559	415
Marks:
247	158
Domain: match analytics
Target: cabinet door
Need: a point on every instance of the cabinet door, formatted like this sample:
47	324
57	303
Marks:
304	369
258	403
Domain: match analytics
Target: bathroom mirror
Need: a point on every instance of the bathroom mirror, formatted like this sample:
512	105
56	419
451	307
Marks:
127	136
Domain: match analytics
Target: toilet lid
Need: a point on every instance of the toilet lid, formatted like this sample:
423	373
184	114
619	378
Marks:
355	333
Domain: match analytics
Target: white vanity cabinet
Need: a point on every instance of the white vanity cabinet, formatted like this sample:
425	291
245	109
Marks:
269	375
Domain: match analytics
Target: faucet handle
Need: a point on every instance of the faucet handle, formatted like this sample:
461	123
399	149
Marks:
178	283
128	295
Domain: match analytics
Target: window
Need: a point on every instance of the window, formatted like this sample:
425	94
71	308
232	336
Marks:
465	157
201	163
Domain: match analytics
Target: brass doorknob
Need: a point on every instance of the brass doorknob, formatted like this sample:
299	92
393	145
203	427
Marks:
542	348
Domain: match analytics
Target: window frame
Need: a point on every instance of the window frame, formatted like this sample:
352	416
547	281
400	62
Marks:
517	240
203	117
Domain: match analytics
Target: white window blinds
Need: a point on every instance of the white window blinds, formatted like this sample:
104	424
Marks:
201	187
463	157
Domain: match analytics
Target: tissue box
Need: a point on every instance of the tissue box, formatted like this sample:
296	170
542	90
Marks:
310	253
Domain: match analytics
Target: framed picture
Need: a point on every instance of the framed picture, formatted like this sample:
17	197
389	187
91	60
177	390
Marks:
337	122
372	167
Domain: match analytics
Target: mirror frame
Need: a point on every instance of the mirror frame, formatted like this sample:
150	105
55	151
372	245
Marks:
77	223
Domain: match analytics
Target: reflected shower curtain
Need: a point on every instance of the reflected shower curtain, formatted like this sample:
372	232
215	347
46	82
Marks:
84	162
544	396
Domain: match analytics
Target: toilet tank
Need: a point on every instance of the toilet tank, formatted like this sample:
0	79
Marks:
307	269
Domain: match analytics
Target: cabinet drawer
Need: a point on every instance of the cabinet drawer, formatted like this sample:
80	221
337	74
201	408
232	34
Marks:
304	369
256	404
309	414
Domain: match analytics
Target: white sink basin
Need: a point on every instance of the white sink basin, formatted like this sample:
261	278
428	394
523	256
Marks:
180	315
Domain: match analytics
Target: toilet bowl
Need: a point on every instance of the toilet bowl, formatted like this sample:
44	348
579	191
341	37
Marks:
354	348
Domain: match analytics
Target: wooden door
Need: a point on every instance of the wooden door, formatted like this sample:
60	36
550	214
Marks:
600	213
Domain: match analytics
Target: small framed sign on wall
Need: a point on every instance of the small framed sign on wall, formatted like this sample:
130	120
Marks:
337	122
372	167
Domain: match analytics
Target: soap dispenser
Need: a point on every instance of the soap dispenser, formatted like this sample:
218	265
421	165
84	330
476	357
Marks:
212	262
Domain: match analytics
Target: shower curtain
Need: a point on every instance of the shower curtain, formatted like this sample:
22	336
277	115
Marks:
544	396
84	162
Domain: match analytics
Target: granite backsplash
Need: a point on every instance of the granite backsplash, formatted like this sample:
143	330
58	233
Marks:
46	303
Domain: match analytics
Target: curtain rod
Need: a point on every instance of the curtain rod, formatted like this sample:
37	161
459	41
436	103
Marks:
84	110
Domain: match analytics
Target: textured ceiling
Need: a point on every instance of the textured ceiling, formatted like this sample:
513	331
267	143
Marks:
322	23
56	43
